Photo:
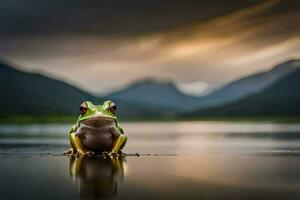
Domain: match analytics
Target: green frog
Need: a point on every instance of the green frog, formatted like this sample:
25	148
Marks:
97	130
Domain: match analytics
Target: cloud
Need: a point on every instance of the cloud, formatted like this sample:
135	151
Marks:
193	54
111	18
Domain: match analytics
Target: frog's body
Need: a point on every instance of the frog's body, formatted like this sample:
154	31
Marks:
97	130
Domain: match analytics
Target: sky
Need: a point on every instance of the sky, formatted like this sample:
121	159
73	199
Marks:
102	46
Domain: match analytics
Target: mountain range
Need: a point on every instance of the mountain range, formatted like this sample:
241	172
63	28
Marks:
273	92
158	97
246	86
282	98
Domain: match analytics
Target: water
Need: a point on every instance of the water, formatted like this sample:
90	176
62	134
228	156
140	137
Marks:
192	160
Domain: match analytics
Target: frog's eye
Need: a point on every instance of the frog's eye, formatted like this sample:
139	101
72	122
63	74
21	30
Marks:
112	107
83	108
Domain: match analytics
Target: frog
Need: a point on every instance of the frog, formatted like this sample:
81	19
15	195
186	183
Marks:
97	130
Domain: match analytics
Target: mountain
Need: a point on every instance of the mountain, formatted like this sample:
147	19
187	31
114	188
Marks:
158	98
274	92
246	86
30	93
155	97
282	98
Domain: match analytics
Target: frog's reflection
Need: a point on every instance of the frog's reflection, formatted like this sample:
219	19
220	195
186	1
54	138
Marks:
96	178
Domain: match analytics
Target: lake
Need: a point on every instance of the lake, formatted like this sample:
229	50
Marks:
178	160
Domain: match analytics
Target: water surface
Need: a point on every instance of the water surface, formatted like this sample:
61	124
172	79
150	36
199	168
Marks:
192	160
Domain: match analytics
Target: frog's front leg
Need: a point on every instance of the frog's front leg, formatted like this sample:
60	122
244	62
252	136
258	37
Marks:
119	144
72	150
76	143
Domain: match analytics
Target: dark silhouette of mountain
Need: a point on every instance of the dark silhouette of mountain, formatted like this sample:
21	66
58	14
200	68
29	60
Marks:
275	92
161	97
246	86
282	98
157	98
30	93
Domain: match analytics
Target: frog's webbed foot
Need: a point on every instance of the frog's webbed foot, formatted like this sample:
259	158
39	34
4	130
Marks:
84	153
69	151
90	153
114	154
105	153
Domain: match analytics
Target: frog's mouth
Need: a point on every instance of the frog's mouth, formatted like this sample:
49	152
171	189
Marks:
97	122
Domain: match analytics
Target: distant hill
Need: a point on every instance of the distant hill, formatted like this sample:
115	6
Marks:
155	96
246	86
158	98
29	93
282	98
274	92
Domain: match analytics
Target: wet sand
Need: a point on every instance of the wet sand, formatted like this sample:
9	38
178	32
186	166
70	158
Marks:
224	164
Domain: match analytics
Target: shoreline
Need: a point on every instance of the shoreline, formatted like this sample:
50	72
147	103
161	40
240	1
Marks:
50	119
